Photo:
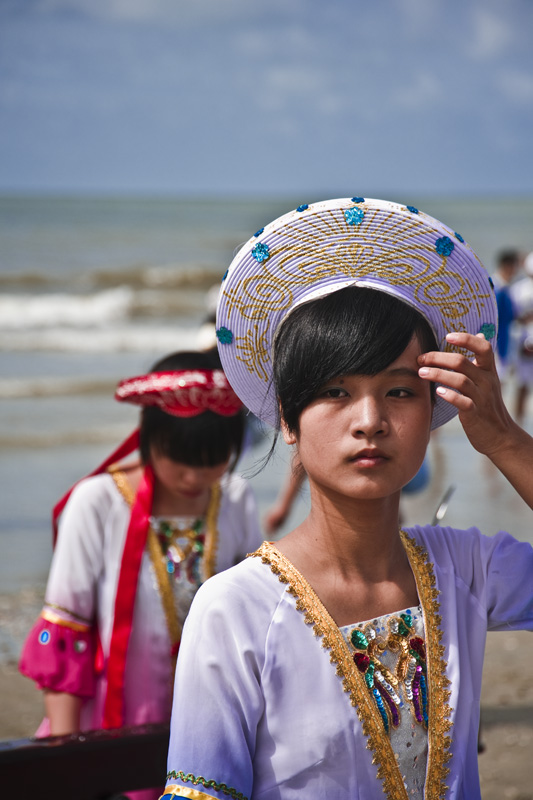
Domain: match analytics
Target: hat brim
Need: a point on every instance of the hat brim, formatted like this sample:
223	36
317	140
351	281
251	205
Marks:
323	248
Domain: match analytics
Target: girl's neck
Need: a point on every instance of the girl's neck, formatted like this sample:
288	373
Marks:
349	537
166	504
352	555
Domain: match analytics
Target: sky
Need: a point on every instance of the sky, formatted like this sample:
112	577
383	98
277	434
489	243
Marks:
266	97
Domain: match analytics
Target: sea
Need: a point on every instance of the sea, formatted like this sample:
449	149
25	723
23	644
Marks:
95	289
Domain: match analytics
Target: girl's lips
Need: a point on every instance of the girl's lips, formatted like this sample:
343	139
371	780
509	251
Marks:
369	458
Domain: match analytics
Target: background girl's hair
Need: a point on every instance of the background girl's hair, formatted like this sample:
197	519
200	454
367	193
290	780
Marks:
353	330
203	441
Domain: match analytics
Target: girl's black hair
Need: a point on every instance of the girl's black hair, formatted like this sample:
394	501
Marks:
351	331
203	441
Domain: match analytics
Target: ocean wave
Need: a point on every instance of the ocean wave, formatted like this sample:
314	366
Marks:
104	434
23	311
136	276
53	387
110	339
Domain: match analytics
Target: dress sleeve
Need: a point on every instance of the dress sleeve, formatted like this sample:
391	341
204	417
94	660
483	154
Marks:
496	570
59	652
217	696
509	591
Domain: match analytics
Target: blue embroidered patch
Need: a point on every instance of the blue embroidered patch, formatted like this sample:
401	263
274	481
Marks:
444	246
488	329
224	335
261	252
354	216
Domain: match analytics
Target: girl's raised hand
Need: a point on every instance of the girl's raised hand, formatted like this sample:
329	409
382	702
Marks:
482	412
477	395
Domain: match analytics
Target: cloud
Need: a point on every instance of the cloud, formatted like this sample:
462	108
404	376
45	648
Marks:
491	35
517	86
423	91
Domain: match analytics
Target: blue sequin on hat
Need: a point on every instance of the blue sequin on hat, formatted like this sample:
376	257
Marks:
225	275
488	330
259	232
358	199
354	216
412	209
444	246
303	207
224	335
458	236
260	252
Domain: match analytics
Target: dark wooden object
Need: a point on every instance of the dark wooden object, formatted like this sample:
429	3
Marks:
88	766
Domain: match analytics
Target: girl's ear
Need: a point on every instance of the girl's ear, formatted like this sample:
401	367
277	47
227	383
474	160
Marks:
289	437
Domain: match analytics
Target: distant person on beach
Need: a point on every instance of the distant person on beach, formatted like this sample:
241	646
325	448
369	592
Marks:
506	271
345	661
134	544
522	296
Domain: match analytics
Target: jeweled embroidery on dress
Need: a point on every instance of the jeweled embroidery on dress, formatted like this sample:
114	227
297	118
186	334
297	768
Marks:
353	682
408	679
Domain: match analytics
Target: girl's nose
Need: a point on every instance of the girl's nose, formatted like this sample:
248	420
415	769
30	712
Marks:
368	418
190	478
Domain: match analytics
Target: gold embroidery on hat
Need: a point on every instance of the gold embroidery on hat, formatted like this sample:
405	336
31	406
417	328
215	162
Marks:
255	352
323	247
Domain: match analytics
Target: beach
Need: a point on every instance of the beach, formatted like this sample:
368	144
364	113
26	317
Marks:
93	291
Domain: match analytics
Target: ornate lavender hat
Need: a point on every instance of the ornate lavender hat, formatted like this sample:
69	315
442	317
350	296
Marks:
321	248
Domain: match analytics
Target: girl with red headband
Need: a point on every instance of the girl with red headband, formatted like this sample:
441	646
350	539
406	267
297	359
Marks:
134	544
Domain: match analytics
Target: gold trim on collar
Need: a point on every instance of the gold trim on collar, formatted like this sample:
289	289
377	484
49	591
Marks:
122	483
315	614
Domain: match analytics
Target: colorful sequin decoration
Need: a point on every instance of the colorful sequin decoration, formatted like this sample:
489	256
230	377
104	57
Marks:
260	252
303	207
177	556
354	216
444	246
409	677
488	329
224	335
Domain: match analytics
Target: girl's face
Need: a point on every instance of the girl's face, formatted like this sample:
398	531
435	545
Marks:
183	481
365	436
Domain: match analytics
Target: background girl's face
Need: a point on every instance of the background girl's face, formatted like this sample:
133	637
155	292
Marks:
366	436
182	480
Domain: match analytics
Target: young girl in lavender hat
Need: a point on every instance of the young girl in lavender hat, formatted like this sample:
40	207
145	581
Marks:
345	661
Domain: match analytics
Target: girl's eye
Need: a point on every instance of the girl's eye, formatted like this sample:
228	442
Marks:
334	392
400	393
